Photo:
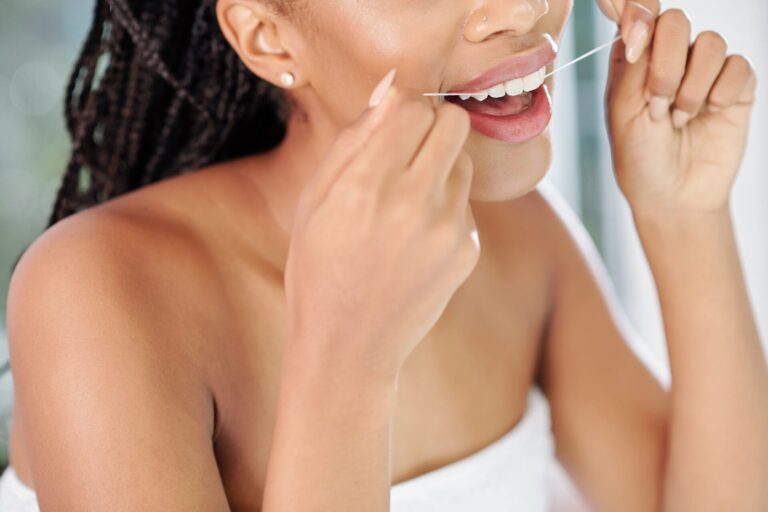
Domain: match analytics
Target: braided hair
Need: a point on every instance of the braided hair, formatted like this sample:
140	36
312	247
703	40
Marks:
158	91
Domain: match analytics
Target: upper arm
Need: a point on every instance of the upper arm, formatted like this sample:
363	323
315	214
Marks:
609	412
110	421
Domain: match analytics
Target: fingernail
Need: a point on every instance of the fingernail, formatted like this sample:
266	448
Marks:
680	118
659	107
378	93
636	41
636	17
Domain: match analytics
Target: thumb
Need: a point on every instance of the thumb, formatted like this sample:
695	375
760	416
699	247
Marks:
626	81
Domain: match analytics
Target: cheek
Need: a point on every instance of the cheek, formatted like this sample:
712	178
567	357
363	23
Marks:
362	40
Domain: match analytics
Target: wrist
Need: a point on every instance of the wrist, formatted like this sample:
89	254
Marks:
680	225
316	360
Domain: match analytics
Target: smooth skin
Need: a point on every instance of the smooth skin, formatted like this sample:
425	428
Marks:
162	362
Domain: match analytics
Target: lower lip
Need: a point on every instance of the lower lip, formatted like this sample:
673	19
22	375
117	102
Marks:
517	128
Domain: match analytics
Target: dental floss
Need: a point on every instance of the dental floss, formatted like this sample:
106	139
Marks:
602	46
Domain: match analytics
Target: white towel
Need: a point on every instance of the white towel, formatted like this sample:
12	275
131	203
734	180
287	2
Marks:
512	474
15	496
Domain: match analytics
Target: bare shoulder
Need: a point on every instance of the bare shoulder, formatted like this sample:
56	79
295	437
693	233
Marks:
106	334
127	264
132	244
143	258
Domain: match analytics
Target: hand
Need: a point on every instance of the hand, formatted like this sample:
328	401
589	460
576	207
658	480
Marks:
678	119
383	235
636	19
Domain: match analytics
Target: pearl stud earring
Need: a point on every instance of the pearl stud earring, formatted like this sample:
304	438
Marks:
287	78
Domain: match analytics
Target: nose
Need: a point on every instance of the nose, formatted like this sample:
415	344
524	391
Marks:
514	16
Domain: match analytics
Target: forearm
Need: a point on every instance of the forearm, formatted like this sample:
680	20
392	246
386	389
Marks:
331	446
718	450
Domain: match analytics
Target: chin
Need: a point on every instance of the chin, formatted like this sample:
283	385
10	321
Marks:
503	172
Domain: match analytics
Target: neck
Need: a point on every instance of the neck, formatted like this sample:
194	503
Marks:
288	168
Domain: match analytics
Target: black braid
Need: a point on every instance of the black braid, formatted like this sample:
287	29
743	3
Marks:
157	91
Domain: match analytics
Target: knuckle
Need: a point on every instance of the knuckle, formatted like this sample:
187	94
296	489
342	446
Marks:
356	197
401	211
454	117
687	102
346	136
741	64
469	252
454	112
444	233
712	42
348	140
417	112
663	80
675	19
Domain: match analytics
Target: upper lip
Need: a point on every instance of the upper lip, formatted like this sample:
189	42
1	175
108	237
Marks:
516	66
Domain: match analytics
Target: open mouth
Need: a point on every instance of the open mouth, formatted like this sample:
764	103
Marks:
505	99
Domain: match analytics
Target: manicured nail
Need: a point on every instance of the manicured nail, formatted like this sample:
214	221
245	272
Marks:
378	93
659	107
680	118
636	41
636	17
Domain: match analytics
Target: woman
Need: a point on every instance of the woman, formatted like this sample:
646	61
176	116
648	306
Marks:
380	298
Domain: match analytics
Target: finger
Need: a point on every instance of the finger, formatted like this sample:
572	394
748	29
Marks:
396	141
704	64
736	83
637	26
349	141
471	248
433	163
457	188
669	55
616	67
609	9
473	233
747	96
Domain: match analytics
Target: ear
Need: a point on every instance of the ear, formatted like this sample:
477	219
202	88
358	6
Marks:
251	29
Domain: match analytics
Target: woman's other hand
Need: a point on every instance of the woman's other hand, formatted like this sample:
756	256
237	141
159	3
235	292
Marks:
678	118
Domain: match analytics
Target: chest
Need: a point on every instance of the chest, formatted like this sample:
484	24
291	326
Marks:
463	386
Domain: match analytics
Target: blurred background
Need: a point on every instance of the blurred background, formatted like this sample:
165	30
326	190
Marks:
46	37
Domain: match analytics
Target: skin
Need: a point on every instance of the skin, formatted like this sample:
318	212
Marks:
190	295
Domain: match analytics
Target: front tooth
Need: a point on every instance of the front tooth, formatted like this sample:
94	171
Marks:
464	96
531	82
534	80
497	91
480	96
514	87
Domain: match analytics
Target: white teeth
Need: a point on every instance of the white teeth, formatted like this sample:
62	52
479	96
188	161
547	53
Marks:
497	91
532	82
513	87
